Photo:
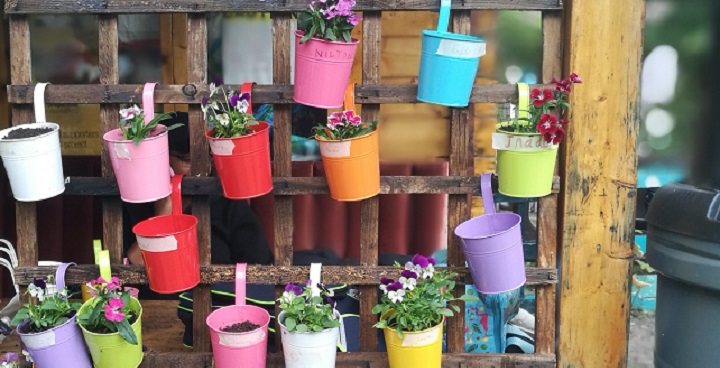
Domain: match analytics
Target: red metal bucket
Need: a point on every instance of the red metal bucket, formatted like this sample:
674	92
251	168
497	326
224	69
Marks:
168	245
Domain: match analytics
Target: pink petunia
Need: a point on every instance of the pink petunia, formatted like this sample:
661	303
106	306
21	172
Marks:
113	315
116	303
334	120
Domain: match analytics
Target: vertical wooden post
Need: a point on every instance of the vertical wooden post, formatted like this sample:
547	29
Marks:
109	119
173	50
282	162
547	207
369	208
603	44
197	74
21	73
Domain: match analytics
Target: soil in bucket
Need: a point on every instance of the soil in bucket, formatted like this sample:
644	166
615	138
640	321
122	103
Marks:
26	133
245	326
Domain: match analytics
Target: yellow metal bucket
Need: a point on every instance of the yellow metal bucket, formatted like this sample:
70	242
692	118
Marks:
415	349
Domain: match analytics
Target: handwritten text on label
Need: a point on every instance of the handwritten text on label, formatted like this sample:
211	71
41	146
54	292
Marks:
335	149
508	141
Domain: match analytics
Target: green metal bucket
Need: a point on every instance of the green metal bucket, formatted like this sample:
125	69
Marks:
111	350
526	173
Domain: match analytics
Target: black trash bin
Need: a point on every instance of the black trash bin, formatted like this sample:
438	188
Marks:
683	245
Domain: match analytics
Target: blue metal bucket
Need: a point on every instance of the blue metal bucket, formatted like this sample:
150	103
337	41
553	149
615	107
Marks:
448	64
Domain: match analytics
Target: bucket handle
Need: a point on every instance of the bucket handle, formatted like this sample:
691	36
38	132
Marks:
240	281
247	88
523	101
349	101
315	279
148	101
487	195
444	18
104	264
60	275
10	264
176	196
39	102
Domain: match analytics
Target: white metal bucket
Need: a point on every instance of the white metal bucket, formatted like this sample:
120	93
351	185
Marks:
309	349
33	165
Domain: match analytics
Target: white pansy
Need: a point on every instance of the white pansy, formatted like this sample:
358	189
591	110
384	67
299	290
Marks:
384	289
130	112
243	106
396	296
224	119
212	89
427	272
407	283
288	296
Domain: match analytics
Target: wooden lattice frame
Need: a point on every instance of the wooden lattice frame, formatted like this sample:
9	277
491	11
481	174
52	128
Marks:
370	93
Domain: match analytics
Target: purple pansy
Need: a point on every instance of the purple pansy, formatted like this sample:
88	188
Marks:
40	283
408	274
386	280
297	290
234	99
395	286
431	260
420	261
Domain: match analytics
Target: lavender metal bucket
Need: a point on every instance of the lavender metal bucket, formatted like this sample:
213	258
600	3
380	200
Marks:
59	347
493	247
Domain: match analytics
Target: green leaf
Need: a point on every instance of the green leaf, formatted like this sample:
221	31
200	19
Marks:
290	323
346	36
377	309
445	312
127	332
301	328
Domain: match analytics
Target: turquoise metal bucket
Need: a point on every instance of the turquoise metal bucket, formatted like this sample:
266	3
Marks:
448	64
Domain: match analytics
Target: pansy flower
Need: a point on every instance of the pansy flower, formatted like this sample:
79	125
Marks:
396	295
408	279
427	272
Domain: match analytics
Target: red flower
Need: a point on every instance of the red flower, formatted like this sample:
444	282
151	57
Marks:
575	78
563	85
547	124
540	99
564	121
554	137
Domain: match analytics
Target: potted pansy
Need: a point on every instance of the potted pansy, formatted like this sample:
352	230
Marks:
349	151
527	142
111	325
324	52
10	360
240	144
47	328
309	326
412	310
139	153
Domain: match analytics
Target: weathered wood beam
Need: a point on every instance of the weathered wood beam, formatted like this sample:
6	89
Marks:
266	275
304	185
194	6
368	360
599	182
277	93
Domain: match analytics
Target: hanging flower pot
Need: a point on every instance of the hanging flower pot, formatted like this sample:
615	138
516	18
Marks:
239	143
493	247
324	53
239	332
139	152
119	346
412	312
31	156
448	64
61	345
527	145
349	151
168	245
310	331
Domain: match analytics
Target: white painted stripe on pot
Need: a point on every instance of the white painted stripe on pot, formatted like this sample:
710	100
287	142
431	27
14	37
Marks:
460	49
242	339
422	338
39	340
159	244
223	147
509	141
335	149
121	150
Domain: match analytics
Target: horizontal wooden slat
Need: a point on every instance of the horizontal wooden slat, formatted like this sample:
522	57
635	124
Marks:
280	93
266	275
363	360
305	185
194	6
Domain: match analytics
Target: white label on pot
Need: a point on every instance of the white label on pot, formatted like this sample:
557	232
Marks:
41	340
159	244
222	147
461	49
508	141
335	149
421	338
242	339
121	151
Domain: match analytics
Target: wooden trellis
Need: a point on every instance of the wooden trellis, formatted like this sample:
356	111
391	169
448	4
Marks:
370	93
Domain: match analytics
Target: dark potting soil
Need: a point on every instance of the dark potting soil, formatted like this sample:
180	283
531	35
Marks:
246	326
27	133
29	328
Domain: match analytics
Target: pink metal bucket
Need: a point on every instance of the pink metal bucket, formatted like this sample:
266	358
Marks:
142	171
322	71
62	346
493	246
239	349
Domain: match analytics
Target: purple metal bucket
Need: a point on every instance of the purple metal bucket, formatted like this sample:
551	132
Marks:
493	246
59	347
